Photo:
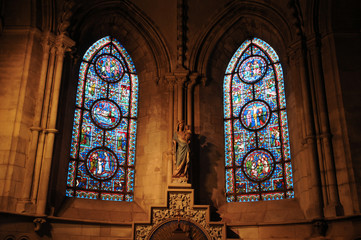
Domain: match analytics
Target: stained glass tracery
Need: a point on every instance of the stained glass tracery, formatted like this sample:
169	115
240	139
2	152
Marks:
257	150
102	154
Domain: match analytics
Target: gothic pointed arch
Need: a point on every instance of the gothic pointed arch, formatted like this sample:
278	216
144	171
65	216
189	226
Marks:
257	148
242	19
123	20
102	153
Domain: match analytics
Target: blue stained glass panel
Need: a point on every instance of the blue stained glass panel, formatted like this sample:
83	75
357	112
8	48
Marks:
257	149
109	68
258	52
289	175
252	69
117	183
75	134
273	196
95	88
227	100
129	198
104	130
86	194
248	198
267	48
71	174
243	184
130	180
95	47
105	114
236	56
229	181
104	50
121	50
69	193
134	95
247	53
80	90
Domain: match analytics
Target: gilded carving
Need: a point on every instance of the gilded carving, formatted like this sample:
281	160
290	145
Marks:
215	232
179	201
180	207
142	232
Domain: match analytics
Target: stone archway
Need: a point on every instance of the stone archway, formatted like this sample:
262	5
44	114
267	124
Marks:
178	229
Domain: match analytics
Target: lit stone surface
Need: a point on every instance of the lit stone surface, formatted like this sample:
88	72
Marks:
181	55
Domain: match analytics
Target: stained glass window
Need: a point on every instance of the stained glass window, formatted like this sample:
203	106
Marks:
102	154
257	149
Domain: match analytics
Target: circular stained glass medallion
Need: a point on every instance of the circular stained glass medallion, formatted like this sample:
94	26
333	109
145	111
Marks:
255	115
105	114
258	165
109	68
101	163
252	69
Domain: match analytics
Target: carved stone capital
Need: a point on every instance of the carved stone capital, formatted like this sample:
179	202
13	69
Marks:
181	74
47	40
63	44
177	78
193	78
169	81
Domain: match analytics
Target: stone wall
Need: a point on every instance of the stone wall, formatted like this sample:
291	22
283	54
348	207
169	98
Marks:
180	50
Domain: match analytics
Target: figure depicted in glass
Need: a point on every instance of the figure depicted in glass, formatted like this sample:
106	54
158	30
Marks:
101	164
109	68
255	115
252	69
257	149
102	154
105	114
258	165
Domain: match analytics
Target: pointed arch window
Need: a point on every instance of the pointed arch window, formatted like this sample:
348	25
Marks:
257	149
102	154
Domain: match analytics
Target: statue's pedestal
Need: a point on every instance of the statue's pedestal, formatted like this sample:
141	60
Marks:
179	186
180	217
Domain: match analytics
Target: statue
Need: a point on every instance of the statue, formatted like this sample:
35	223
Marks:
181	141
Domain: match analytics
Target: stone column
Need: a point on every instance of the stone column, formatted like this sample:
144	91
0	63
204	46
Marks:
190	86
313	201
179	99
36	129
43	122
332	205
181	76
62	43
172	116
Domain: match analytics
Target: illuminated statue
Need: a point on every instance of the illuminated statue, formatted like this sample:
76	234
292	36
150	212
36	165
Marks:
181	140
